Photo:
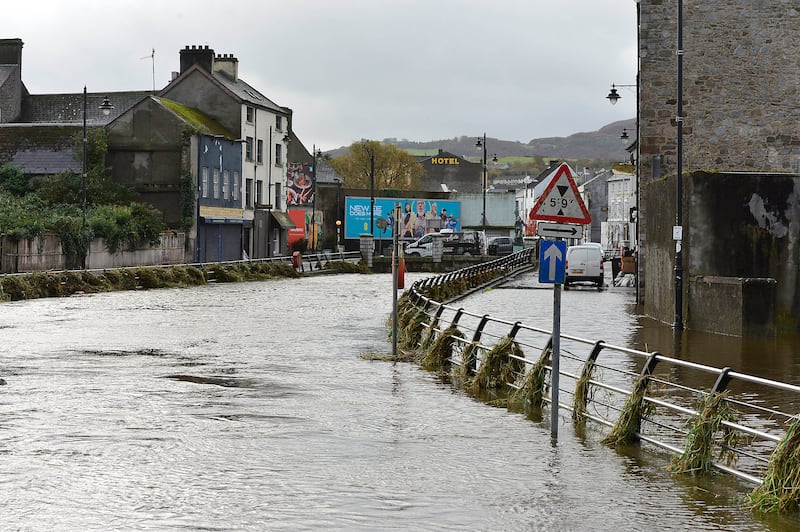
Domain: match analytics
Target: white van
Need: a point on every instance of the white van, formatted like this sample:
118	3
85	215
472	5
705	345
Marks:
584	265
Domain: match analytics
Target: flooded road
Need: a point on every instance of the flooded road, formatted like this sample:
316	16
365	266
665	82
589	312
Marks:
248	407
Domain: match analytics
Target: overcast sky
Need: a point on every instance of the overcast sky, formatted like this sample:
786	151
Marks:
350	69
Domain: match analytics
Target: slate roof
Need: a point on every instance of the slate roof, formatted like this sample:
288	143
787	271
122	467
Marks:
46	161
247	93
5	72
28	145
68	108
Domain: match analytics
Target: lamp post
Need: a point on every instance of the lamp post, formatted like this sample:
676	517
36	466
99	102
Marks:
106	108
482	144
677	232
371	152
613	98
316	154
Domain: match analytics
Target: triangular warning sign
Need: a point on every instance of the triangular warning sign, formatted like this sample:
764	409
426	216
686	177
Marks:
560	201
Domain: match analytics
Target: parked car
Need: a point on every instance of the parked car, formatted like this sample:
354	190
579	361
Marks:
452	243
584	264
500	245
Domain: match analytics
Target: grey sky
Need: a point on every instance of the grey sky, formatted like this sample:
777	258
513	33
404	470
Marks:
350	69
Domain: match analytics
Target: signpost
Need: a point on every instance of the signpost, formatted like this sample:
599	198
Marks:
553	230
562	204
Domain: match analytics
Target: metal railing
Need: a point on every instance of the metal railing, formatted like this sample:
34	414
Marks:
675	390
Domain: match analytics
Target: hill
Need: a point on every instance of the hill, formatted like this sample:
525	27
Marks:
603	144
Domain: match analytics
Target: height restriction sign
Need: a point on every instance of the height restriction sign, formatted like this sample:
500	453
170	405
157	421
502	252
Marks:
560	201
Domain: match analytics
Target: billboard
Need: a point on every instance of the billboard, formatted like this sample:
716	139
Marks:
418	217
300	184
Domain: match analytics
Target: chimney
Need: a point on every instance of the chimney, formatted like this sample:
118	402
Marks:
197	55
11	52
227	65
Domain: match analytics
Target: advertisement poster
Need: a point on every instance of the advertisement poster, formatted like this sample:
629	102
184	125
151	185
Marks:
298	216
300	184
418	217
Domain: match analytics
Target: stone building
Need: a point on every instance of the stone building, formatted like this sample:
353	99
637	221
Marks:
740	193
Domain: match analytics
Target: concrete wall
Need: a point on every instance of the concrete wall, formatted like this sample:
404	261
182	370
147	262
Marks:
45	253
732	305
741	226
147	151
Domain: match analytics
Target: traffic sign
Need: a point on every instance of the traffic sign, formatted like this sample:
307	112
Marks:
560	201
552	254
554	230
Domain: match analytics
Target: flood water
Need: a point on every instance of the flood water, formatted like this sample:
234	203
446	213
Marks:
248	407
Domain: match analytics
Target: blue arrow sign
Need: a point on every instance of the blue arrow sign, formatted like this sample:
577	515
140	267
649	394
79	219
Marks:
552	255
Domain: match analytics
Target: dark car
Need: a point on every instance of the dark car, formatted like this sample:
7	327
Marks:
500	245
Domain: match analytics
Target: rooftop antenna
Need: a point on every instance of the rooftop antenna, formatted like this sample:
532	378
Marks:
152	57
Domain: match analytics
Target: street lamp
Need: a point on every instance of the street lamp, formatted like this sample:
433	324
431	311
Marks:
624	135
677	232
316	154
482	144
613	95
371	152
106	108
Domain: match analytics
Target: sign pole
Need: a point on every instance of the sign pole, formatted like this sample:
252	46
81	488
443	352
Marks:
562	204
395	262
556	360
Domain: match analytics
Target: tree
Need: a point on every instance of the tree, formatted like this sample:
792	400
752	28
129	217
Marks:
12	180
395	169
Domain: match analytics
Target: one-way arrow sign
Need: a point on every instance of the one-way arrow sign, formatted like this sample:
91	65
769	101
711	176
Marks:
552	230
551	261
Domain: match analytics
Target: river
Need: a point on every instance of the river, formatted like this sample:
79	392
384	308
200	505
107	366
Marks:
249	407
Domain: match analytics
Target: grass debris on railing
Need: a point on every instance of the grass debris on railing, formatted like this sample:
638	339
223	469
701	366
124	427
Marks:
430	335
780	491
698	455
627	426
583	391
438	356
466	370
498	367
531	393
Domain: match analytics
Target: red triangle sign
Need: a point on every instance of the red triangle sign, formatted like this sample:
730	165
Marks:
561	202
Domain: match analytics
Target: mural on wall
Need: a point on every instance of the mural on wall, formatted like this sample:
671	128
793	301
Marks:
418	217
300	184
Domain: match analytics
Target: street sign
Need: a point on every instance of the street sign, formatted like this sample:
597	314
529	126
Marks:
560	202
554	230
552	255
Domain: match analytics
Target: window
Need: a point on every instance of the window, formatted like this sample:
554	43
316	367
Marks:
278	204
235	186
259	191
226	185
278	158
279	123
260	152
204	182
250	114
216	183
248	192
248	148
